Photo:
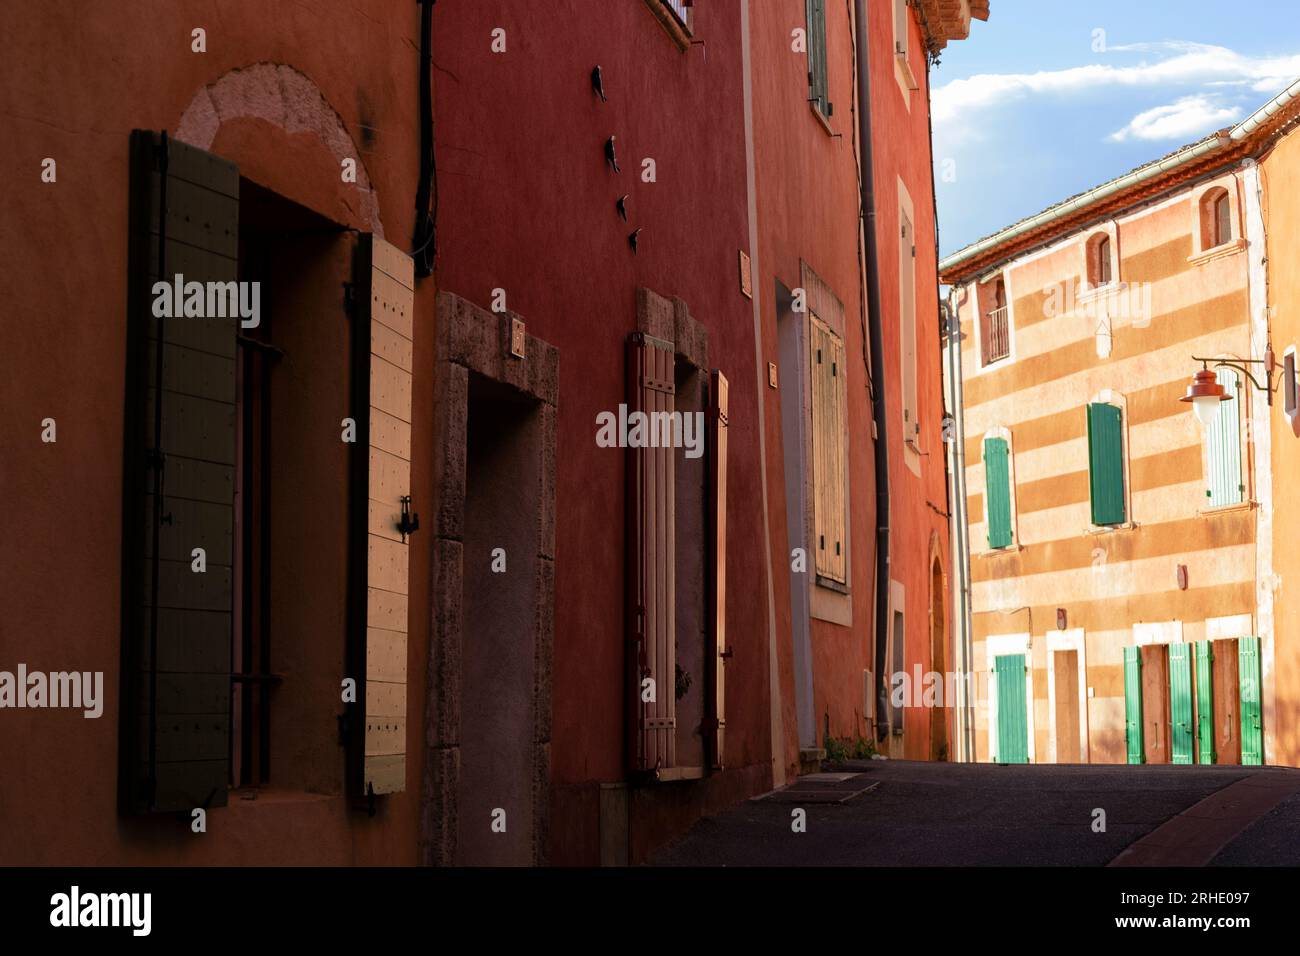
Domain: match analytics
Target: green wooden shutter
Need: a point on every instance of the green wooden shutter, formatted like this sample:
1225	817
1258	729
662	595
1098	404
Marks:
1106	463
1180	702
1204	654
1252	724
997	484
1013	732
1133	704
1223	445
178	485
817	85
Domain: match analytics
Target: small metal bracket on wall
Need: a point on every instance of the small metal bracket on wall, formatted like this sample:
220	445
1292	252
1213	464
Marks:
518	341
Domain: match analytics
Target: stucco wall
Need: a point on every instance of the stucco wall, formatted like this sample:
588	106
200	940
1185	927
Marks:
299	90
1280	174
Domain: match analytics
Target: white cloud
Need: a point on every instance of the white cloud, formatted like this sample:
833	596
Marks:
1182	64
1184	119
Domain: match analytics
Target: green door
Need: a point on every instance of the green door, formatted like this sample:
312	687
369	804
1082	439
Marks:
1252	724
1204	654
1133	704
1180	702
1013	732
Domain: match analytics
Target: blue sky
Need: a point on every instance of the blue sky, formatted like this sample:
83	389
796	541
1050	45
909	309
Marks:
1036	105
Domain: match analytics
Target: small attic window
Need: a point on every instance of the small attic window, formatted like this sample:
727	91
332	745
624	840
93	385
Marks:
1216	218
1101	269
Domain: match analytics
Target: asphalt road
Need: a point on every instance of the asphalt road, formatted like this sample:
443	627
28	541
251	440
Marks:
904	813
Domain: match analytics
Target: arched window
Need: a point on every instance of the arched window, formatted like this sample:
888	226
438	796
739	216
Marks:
1222	219
1100	267
1216	219
995	327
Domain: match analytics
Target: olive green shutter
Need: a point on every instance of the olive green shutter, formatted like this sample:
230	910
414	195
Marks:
1013	732
817	88
1252	724
1204	655
997	483
1223	447
178	487
1133	704
1180	702
1106	464
378	561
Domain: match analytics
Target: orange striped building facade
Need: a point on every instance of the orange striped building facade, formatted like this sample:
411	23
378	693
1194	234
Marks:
1102	515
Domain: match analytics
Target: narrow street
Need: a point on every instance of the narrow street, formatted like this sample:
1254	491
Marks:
911	813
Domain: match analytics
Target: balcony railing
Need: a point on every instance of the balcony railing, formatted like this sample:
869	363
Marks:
997	338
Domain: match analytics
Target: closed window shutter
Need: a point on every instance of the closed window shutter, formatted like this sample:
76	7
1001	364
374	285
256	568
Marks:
1106	464
1180	702
178	487
1223	447
1133	705
1204	655
1252	723
1290	392
652	655
817	84
379	576
826	354
907	320
715	714
997	481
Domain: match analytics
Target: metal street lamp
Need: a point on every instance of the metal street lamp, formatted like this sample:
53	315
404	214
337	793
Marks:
1205	393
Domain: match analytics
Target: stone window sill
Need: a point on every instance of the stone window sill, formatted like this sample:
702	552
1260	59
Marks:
1218	252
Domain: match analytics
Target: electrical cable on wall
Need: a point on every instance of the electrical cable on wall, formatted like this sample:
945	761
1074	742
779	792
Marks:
425	242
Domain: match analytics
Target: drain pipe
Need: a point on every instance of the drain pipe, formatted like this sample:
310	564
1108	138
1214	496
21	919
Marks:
878	409
967	683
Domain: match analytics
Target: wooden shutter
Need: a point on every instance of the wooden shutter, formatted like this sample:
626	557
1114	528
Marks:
1290	391
826	353
1223	447
652	724
1106	464
1013	731
1133	704
907	322
817	85
1180	702
378	560
178	487
997	489
1204	657
1252	723
715	713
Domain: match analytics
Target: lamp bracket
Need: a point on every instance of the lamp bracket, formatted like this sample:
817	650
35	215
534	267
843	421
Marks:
1239	365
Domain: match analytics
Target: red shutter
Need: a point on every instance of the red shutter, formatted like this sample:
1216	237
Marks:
650	586
715	711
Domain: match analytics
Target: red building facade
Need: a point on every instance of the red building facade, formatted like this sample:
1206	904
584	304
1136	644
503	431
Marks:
582	647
